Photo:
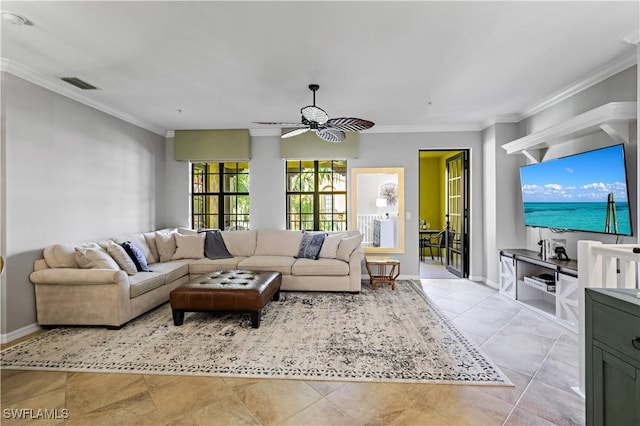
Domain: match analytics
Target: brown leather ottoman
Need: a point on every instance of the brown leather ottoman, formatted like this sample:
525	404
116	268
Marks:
227	291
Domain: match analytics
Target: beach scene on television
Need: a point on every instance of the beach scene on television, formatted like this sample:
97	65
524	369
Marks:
583	192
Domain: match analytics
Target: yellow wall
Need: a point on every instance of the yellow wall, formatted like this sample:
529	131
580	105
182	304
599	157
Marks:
433	203
432	192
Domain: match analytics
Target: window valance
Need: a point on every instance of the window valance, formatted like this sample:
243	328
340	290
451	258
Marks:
213	145
308	146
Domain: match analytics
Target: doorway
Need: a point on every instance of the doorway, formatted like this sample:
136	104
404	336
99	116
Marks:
443	213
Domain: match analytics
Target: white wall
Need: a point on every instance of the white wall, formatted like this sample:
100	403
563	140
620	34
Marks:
72	173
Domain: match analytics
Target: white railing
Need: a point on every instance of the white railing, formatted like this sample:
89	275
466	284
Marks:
365	226
603	266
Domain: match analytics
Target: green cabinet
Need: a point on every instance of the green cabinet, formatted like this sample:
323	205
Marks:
612	339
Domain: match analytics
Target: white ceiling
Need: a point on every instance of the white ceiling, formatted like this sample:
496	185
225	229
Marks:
401	65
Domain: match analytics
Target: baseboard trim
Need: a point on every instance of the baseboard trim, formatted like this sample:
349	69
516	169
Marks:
408	277
491	284
21	332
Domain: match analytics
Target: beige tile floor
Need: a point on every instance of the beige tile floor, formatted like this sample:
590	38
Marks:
538	356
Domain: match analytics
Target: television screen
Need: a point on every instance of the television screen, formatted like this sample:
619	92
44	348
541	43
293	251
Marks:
582	192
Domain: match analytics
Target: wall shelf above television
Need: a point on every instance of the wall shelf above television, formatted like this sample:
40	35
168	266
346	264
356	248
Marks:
612	118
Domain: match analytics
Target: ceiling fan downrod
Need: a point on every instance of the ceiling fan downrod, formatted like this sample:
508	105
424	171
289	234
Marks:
313	88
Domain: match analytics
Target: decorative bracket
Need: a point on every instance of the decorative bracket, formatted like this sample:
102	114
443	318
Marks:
613	118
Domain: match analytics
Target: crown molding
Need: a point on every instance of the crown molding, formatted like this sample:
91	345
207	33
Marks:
55	85
619	64
426	128
502	119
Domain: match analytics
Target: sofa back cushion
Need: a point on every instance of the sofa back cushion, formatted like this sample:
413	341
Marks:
347	246
93	258
240	243
278	242
64	255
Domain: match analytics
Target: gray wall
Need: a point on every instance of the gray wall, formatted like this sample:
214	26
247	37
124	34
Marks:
503	215
70	173
267	197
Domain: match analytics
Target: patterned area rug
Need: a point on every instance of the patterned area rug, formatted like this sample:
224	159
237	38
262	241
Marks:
381	335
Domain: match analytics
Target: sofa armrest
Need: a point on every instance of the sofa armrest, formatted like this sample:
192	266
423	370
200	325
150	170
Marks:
40	264
355	270
72	276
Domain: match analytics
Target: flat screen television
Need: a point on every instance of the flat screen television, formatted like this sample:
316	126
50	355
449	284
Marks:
582	192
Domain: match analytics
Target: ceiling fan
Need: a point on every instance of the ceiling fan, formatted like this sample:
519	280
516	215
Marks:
318	121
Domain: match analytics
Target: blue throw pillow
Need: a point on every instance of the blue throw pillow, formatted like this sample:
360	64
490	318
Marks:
136	255
311	245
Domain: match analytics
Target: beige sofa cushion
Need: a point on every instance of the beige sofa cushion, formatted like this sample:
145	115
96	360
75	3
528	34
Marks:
347	246
240	243
189	246
64	255
91	258
143	282
280	264
205	265
173	269
166	244
320	267
278	242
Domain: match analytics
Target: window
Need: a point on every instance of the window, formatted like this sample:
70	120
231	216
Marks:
220	195
317	195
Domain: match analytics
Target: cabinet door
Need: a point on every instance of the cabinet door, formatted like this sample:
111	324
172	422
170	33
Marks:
616	391
567	307
508	276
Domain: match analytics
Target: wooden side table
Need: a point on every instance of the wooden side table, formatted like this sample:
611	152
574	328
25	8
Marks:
382	270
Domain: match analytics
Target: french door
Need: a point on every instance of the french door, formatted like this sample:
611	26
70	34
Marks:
457	215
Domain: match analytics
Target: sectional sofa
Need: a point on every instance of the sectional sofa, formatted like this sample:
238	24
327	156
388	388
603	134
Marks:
91	283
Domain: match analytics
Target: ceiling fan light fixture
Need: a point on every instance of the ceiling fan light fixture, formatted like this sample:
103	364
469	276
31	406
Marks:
14	18
316	119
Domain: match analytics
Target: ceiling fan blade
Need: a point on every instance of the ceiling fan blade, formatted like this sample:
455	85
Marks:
295	132
331	135
279	123
349	124
314	114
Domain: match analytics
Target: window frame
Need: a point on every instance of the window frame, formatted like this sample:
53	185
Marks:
317	194
202	189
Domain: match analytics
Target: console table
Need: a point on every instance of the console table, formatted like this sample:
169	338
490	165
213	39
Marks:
560	304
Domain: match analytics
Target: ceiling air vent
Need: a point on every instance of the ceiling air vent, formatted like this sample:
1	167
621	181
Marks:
75	81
